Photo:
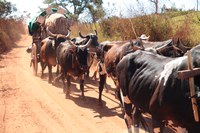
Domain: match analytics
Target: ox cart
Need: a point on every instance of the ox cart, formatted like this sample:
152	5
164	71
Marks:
52	18
189	74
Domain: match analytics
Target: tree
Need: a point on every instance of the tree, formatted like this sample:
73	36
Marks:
5	8
80	6
97	11
156	5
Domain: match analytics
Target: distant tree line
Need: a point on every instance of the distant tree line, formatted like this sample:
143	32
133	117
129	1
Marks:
94	8
6	8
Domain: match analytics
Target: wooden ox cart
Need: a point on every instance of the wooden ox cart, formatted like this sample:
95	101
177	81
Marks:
57	23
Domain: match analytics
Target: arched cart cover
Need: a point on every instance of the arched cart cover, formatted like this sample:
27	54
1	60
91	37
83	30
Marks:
54	17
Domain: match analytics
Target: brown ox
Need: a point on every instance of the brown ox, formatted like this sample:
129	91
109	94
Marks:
48	51
72	59
92	47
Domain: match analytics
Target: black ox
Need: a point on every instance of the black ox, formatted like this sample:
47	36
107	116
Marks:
72	60
92	48
149	81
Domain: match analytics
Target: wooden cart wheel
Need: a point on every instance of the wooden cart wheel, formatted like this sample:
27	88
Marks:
34	59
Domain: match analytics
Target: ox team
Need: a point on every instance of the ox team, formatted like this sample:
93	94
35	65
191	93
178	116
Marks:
145	73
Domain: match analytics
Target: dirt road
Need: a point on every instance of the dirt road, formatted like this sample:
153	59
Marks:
30	104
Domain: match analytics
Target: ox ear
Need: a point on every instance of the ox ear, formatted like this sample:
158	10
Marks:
107	47
95	32
136	45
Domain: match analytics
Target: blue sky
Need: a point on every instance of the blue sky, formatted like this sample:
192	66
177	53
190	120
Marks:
121	6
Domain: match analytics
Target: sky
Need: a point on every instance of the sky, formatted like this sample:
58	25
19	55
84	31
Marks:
121	6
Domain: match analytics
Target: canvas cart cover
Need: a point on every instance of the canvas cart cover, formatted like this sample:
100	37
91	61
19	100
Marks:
58	24
33	25
54	17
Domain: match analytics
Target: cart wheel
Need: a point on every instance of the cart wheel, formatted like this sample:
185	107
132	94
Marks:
34	59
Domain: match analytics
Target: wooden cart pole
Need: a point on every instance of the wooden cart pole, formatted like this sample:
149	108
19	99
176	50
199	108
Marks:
192	89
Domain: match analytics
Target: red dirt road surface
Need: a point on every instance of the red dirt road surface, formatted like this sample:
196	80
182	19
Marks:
29	104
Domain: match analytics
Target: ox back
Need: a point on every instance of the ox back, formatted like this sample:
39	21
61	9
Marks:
150	82
73	62
72	59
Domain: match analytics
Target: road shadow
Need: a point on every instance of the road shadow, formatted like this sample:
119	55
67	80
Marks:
93	104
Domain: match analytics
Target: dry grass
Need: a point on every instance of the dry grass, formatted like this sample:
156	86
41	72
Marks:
10	31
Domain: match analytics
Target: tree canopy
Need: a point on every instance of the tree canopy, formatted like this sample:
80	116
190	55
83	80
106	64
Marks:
75	8
6	8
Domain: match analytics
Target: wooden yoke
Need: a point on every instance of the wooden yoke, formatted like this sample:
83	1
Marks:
190	73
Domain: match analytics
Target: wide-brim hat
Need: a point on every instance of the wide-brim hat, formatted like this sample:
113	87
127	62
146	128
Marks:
144	37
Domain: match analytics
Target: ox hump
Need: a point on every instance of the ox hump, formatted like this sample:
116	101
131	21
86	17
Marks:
169	67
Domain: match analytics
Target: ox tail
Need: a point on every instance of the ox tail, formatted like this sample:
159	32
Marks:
139	118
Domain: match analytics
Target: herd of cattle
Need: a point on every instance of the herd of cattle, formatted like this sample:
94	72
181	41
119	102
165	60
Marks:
144	72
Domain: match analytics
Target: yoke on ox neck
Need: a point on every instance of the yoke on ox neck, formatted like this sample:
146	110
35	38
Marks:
169	67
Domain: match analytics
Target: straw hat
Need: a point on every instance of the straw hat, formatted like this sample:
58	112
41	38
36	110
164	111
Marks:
144	37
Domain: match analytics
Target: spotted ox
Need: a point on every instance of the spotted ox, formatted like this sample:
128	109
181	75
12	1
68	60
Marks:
149	81
72	60
48	51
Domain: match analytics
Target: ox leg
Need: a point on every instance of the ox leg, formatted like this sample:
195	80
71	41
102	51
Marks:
101	86
64	85
119	96
128	113
50	73
94	76
57	70
82	85
57	78
43	67
106	85
68	85
88	73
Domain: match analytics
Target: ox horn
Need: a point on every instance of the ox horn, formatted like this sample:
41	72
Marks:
95	32
86	45
81	35
50	33
71	43
67	36
177	49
